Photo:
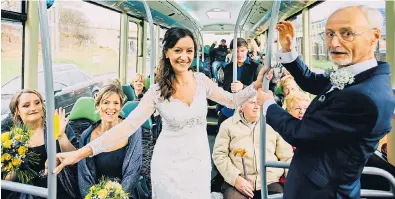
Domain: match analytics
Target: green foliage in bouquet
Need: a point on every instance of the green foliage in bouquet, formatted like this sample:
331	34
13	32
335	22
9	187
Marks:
106	189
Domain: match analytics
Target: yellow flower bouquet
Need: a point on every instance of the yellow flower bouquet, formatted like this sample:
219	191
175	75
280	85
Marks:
16	159
106	189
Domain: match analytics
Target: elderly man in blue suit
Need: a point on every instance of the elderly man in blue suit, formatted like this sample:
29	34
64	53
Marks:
351	113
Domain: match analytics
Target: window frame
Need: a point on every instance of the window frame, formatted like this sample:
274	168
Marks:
19	17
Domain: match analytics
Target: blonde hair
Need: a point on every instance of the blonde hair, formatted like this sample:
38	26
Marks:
15	102
138	76
286	80
113	86
294	97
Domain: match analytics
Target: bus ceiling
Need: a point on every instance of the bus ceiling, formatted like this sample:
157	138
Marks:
209	17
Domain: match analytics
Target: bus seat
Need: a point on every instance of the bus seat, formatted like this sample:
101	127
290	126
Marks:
83	115
84	108
129	92
129	107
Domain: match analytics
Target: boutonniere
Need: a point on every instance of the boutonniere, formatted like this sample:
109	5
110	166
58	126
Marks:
340	77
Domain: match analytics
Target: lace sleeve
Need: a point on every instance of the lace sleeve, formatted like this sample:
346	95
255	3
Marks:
128	126
230	100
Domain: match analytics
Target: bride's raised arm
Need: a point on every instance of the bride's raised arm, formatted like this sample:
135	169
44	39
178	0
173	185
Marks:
127	127
231	100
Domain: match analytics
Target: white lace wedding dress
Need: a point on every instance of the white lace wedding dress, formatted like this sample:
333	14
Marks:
180	166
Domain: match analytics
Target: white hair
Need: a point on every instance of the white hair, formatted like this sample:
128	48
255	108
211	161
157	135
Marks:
373	15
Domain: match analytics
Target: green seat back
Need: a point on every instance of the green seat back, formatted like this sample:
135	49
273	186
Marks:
84	108
129	107
129	92
278	90
147	83
193	64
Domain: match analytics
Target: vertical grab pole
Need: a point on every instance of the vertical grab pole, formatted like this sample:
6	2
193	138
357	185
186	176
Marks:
265	86
49	96
153	39
234	57
197	53
201	38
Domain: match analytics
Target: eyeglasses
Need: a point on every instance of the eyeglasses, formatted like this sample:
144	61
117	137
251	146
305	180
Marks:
345	35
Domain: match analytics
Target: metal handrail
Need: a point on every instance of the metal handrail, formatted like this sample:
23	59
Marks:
265	86
201	38
49	192
197	48
153	39
49	96
24	188
235	41
364	192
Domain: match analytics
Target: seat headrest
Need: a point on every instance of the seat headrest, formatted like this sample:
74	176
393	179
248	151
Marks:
129	107
84	108
129	92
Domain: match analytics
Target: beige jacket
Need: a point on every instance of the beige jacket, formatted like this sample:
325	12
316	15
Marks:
235	133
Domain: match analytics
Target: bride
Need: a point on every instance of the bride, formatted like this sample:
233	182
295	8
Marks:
180	166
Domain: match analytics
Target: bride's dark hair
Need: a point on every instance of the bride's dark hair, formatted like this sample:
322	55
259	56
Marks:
166	75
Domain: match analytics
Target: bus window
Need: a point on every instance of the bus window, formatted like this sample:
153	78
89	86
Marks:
11	61
82	37
318	17
13	5
132	51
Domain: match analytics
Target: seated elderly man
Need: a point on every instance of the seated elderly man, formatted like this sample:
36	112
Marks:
242	131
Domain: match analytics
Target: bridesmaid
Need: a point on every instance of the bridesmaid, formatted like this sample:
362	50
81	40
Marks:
27	107
121	163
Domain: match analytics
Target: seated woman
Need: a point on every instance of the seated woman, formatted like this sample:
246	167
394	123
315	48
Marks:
121	163
137	84
286	86
297	103
242	131
27	107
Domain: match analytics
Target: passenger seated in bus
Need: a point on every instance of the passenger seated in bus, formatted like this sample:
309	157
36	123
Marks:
228	58
217	57
253	49
121	163
247	72
147	82
138	86
286	86
297	103
27	107
242	131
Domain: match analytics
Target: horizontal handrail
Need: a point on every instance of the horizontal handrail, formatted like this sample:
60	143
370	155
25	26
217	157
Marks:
284	165
24	188
383	173
376	193
364	192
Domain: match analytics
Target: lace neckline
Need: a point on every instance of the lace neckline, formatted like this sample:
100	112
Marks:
194	95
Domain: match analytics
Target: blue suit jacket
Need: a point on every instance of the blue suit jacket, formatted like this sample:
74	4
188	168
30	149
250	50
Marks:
338	133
